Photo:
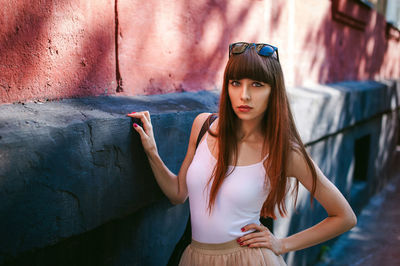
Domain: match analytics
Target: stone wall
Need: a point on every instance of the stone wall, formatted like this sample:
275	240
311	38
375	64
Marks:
351	130
76	188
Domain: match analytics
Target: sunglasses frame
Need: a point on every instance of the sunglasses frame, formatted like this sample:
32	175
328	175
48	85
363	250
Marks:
257	46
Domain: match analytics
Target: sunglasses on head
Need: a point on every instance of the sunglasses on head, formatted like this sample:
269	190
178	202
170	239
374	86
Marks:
262	49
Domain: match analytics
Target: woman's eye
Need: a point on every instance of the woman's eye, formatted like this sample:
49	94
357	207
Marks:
235	83
257	84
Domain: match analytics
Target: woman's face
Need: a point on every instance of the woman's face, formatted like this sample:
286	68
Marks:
249	98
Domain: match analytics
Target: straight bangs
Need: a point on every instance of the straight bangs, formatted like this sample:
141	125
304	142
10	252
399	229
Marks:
250	65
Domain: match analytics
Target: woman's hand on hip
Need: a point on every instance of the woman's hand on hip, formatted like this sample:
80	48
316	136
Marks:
145	132
261	238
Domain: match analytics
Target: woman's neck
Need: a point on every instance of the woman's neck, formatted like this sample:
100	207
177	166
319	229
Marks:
249	130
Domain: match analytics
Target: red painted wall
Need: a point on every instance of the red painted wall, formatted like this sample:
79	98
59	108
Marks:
327	51
168	46
57	49
53	49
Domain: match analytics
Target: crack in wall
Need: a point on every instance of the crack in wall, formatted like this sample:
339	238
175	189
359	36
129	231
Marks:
117	151
83	114
74	196
116	33
30	109
90	137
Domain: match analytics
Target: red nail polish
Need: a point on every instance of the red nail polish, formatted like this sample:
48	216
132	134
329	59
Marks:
134	124
241	244
133	112
242	229
238	240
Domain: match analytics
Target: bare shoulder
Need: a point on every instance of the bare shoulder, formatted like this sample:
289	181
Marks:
200	119
297	164
197	124
298	168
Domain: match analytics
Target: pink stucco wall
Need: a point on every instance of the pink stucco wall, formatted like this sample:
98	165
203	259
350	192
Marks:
53	49
182	45
57	49
168	46
326	51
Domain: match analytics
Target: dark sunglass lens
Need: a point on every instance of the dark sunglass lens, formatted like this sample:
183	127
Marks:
239	48
266	50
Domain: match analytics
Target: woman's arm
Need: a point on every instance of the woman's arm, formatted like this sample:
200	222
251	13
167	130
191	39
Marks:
341	217
173	186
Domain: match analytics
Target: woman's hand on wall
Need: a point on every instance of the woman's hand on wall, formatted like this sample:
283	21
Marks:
145	131
174	186
261	238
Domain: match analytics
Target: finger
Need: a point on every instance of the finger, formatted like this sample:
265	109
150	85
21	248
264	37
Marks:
253	226
131	114
251	235
259	245
255	240
147	115
263	228
134	114
146	123
143	118
139	130
141	115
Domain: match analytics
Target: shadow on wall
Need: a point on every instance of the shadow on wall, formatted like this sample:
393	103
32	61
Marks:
192	50
50	58
337	157
349	53
46	201
48	52
72	166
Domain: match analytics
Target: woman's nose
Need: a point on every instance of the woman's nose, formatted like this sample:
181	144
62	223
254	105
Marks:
245	95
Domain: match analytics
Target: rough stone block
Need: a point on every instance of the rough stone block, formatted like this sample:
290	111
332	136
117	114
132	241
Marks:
73	173
68	167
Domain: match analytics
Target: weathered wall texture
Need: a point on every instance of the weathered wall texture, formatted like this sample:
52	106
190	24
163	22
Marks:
69	167
184	45
324	50
76	188
74	184
168	46
55	49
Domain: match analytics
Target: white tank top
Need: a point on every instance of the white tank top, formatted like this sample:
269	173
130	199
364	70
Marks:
238	201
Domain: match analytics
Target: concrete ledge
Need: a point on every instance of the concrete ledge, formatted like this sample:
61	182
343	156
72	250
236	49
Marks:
321	110
71	166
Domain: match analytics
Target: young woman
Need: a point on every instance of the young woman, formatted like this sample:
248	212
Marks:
240	169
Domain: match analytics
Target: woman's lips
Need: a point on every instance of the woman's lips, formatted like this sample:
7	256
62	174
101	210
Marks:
244	108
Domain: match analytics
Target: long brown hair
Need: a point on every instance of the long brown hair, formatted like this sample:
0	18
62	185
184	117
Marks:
277	126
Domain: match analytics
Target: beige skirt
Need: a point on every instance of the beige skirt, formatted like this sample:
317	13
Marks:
228	253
